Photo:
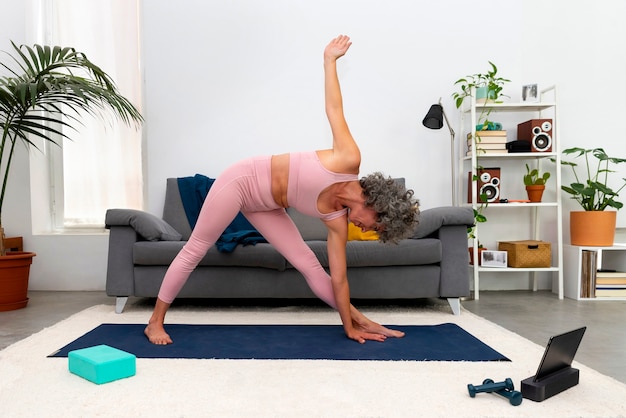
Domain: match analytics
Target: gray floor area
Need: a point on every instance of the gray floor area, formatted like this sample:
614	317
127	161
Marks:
533	315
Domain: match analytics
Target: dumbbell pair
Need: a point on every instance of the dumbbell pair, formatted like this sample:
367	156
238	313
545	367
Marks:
505	389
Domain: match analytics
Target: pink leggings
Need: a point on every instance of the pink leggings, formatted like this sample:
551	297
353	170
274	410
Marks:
246	187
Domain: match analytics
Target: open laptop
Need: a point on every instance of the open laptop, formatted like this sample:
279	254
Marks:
559	353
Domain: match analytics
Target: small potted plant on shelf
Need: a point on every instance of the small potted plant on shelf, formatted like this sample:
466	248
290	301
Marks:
594	225
45	92
535	183
487	87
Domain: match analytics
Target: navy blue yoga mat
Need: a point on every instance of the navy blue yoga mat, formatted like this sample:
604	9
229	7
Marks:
444	342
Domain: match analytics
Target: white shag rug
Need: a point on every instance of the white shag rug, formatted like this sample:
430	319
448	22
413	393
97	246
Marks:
32	385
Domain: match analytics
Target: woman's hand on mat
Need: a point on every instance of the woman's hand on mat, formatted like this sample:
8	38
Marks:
337	47
375	332
361	337
364	325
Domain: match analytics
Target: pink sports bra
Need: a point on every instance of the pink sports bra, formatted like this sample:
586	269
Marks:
307	179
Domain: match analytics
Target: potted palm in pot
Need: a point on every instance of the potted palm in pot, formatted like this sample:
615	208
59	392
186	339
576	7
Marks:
45	92
594	225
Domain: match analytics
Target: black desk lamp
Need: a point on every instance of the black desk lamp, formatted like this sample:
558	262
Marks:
434	120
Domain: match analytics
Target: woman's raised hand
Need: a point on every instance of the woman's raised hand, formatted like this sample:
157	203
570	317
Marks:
337	47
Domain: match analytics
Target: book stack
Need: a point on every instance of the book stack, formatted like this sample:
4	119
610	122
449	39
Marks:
588	274
487	142
610	284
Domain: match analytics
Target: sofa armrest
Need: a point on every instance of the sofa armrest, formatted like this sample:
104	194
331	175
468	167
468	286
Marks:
454	264
127	226
431	220
449	224
145	224
120	279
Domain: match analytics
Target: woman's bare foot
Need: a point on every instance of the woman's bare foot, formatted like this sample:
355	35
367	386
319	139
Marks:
361	322
154	331
156	334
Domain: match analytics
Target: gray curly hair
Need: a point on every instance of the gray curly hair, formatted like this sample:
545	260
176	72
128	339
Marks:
397	210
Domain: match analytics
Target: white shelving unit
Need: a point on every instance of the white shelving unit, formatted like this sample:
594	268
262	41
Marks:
544	109
607	258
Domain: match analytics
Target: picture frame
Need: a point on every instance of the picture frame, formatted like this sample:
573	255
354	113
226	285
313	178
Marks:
530	93
497	259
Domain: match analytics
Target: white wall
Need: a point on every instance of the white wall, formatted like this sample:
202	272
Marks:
227	79
248	80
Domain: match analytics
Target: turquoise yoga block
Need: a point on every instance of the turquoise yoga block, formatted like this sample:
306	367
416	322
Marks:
101	363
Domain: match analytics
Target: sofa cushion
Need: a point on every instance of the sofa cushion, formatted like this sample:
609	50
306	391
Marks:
356	234
146	224
173	210
407	252
163	253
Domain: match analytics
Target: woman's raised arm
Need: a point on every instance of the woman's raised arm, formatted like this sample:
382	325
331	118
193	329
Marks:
345	150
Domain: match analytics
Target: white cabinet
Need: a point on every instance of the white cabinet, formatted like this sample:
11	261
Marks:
607	258
514	220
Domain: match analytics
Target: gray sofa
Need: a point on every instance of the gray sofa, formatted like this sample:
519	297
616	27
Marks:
433	264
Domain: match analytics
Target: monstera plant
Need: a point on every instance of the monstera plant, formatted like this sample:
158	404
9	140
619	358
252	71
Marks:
593	189
44	91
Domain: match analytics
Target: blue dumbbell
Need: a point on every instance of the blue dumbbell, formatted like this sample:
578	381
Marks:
515	397
489	386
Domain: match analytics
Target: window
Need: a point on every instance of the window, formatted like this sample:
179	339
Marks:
100	168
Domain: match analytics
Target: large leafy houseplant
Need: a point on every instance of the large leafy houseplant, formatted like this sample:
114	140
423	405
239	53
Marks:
45	93
594	225
591	187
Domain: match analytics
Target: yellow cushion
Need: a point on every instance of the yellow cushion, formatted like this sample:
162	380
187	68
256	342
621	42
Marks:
355	234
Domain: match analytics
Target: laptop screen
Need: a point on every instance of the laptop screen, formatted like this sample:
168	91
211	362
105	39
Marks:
559	353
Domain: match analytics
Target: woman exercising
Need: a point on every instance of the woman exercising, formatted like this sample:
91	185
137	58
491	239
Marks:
323	184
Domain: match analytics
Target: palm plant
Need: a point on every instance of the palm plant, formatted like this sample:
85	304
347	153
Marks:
46	92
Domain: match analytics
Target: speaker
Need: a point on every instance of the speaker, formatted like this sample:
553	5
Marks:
538	132
488	184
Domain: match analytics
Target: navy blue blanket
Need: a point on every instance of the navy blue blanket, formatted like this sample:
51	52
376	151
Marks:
193	191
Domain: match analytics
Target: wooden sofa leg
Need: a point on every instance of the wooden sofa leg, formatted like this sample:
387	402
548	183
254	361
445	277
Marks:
120	302
455	304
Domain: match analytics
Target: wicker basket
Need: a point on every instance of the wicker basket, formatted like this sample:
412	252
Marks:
527	253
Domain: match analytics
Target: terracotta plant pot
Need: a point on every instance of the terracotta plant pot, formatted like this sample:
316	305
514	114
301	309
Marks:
14	272
535	192
592	228
471	254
